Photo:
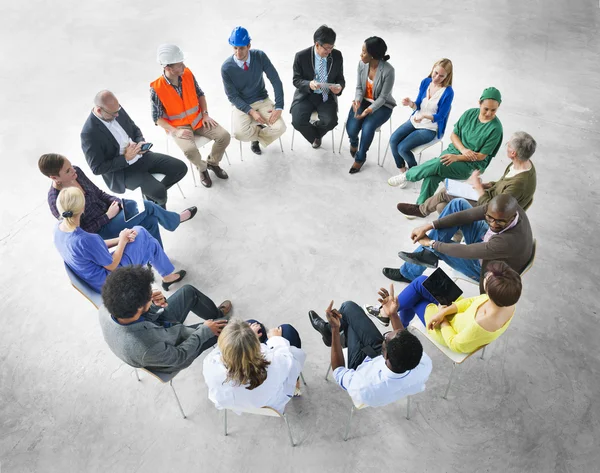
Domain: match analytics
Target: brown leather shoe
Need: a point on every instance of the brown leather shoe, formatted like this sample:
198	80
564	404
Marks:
225	307
410	210
205	179
219	172
317	143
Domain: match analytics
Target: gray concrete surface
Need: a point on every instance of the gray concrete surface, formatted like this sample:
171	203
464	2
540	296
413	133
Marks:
288	232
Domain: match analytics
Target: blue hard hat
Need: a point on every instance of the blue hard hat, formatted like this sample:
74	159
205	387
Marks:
239	37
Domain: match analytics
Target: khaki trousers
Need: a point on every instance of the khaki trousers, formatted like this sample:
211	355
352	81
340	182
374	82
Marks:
220	137
438	201
246	129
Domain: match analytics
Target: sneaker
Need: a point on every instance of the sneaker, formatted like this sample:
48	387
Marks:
410	211
398	181
373	311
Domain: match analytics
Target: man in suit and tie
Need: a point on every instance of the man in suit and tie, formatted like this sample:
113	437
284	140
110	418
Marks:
112	145
313	68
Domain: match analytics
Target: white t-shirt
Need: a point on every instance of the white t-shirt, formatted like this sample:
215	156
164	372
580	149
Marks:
275	391
429	107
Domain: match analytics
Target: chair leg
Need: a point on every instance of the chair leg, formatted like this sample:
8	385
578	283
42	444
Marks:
379	147
177	399
179	187
281	144
287	423
136	374
225	422
349	422
445	396
482	353
241	158
293	133
192	167
408	408
302	378
342	138
332	143
328	370
228	162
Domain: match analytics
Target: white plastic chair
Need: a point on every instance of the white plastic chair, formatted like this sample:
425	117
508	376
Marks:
163	378
418	151
314	117
233	136
378	131
454	357
159	177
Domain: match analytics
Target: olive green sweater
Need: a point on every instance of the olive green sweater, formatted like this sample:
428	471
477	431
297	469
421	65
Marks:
521	187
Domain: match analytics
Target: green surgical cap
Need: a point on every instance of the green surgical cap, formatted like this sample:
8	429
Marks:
491	93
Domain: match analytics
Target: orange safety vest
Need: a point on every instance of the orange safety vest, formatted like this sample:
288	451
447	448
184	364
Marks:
179	111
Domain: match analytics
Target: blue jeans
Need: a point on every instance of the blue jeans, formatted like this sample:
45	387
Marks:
406	138
149	219
413	300
368	126
287	331
473	233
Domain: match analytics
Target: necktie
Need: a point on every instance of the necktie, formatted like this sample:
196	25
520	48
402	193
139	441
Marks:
246	66
324	90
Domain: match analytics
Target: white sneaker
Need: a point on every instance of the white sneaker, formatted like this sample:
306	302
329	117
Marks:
398	181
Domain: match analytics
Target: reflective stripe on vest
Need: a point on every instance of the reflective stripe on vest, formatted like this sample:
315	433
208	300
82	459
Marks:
179	111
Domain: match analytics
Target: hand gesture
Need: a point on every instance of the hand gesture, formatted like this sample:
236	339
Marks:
333	317
158	298
255	326
336	89
257	117
132	150
389	303
126	235
208	122
113	209
407	102
470	155
215	325
438	318
314	85
275	114
274	332
418	117
425	241
355	106
419	233
448	159
184	134
366	111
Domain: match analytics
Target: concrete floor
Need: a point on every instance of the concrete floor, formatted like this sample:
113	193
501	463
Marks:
288	232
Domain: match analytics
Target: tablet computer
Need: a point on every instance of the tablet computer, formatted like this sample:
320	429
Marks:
133	204
442	288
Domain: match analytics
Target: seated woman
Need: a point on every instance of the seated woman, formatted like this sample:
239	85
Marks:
469	323
245	373
428	120
475	141
103	213
373	102
87	254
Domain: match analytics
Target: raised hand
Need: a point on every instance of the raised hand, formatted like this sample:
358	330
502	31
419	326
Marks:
333	317
388	301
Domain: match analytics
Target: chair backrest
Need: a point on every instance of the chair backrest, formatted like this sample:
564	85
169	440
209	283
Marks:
260	411
457	358
84	288
532	259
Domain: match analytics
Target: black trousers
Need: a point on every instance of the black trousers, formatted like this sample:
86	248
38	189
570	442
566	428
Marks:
140	173
362	336
327	111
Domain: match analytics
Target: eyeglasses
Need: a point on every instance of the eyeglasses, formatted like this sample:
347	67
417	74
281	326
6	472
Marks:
327	48
491	219
112	114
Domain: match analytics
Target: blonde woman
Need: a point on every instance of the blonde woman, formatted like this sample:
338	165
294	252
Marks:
243	372
428	120
87	253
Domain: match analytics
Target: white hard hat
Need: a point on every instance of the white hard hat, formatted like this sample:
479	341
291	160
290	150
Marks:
169	54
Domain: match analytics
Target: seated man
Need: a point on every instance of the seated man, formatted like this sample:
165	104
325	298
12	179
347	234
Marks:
381	369
146	331
179	107
112	145
475	140
519	180
255	117
319	64
498	231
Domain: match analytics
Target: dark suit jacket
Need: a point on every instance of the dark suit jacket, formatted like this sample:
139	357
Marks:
101	150
304	72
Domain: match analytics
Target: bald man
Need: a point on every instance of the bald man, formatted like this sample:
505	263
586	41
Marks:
112	145
497	231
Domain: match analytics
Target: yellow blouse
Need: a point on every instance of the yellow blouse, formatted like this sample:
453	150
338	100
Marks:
464	334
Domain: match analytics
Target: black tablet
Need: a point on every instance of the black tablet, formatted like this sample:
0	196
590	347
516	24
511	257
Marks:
442	288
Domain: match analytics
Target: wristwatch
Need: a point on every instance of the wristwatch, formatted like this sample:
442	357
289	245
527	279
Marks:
431	243
205	112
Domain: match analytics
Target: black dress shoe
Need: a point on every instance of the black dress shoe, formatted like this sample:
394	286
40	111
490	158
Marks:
353	151
317	143
205	179
422	258
395	275
167	285
193	211
320	326
356	167
255	147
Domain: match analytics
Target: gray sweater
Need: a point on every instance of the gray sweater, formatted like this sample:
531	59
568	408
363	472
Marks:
246	87
382	84
157	348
